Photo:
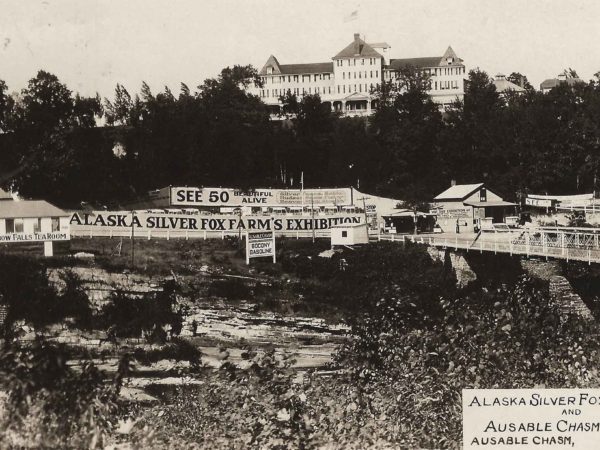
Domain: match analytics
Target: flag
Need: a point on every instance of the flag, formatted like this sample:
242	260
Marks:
352	16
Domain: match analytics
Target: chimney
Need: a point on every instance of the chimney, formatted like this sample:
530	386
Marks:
356	44
562	76
452	182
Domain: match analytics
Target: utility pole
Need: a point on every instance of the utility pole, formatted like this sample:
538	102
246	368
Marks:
312	215
132	239
364	208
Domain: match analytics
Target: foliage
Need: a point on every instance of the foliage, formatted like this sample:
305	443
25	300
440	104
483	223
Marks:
51	405
577	219
507	337
177	349
129	315
229	288
74	301
409	149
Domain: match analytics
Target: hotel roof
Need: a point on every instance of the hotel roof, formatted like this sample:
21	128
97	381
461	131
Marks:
306	68
358	48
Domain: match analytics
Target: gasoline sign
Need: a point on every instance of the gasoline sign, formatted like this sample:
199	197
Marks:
259	244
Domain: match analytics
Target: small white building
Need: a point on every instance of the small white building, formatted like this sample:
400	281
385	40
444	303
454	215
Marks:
33	221
349	234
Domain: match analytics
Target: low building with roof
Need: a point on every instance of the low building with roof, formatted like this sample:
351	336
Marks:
469	208
23	221
504	86
346	82
550	83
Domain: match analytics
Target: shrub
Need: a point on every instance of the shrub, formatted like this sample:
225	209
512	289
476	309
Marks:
51	405
73	300
229	288
510	337
178	349
129	315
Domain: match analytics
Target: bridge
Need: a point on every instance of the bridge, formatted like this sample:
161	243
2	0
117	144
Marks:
576	244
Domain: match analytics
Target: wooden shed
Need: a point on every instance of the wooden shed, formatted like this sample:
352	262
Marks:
349	234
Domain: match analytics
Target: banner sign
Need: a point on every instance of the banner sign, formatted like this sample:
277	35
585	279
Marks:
259	244
564	200
531	418
83	222
35	237
191	196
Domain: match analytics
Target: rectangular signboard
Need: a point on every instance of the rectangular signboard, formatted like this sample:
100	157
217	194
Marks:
542	203
219	197
531	418
259	244
35	237
458	213
84	222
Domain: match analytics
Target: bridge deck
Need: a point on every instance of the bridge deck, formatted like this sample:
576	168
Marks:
567	244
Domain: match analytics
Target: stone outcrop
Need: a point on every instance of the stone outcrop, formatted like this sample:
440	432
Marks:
544	270
464	273
568	301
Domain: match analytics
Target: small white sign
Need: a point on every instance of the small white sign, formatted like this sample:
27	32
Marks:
538	202
35	237
259	244
531	418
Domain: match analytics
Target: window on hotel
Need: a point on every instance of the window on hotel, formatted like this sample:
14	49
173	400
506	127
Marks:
55	224
360	88
18	226
435	85
376	73
37	225
362	62
355	75
338	89
353	62
10	225
296	78
343	75
359	74
344	88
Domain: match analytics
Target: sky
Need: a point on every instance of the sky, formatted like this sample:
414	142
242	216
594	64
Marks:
92	45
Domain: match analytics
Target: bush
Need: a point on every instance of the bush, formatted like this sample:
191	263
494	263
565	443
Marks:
30	296
505	338
129	315
229	288
74	301
178	349
51	405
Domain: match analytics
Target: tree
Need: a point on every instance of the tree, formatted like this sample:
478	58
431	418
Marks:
290	103
520	80
119	111
406	126
5	107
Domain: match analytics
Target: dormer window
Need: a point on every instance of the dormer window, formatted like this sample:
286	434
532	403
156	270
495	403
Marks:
450	60
270	70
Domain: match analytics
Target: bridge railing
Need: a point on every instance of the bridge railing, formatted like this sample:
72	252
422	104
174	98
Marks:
534	242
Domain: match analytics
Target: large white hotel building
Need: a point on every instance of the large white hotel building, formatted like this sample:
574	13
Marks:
346	82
